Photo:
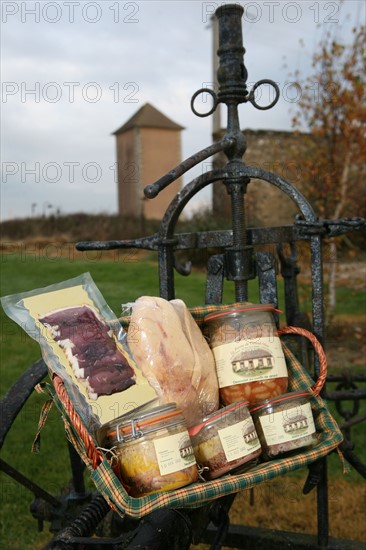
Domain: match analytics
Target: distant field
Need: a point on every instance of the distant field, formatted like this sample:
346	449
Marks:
121	278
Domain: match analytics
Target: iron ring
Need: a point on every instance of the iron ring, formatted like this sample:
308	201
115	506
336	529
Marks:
257	85
201	91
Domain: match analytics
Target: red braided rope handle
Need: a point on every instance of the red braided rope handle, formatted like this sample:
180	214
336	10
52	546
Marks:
93	453
317	387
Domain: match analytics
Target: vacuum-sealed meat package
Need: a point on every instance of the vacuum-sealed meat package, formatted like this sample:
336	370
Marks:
83	342
173	354
91	349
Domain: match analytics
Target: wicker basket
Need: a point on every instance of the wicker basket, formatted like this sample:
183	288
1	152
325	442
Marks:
199	493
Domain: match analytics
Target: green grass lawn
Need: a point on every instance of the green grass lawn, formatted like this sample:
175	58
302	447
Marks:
121	278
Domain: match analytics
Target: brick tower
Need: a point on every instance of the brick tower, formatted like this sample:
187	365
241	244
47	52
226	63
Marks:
148	146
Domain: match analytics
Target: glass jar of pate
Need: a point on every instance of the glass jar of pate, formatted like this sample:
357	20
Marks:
285	424
249	359
225	440
152	449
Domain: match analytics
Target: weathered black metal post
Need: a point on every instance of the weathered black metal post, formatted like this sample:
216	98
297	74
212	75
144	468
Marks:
232	76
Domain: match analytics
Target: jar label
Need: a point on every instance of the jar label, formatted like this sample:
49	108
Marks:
174	453
288	425
239	439
249	360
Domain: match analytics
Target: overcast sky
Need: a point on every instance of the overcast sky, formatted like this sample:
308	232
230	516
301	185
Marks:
75	71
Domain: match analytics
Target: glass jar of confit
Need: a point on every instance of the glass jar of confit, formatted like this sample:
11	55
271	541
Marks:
152	449
225	441
285	424
249	359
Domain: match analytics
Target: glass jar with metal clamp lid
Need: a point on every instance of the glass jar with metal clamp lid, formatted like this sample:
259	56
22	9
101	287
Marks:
152	450
249	358
225	440
285	424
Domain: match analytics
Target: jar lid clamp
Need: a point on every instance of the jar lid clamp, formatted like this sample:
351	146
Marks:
135	432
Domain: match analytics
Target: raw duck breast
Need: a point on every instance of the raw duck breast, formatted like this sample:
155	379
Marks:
91	348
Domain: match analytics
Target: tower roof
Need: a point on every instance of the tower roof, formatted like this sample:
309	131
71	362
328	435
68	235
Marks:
148	117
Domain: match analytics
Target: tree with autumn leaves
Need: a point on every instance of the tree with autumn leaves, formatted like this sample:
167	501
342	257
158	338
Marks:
332	107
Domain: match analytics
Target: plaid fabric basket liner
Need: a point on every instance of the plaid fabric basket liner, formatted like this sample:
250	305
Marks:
201	493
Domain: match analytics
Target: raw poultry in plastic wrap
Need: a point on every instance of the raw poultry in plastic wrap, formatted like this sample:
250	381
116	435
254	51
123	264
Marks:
173	355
